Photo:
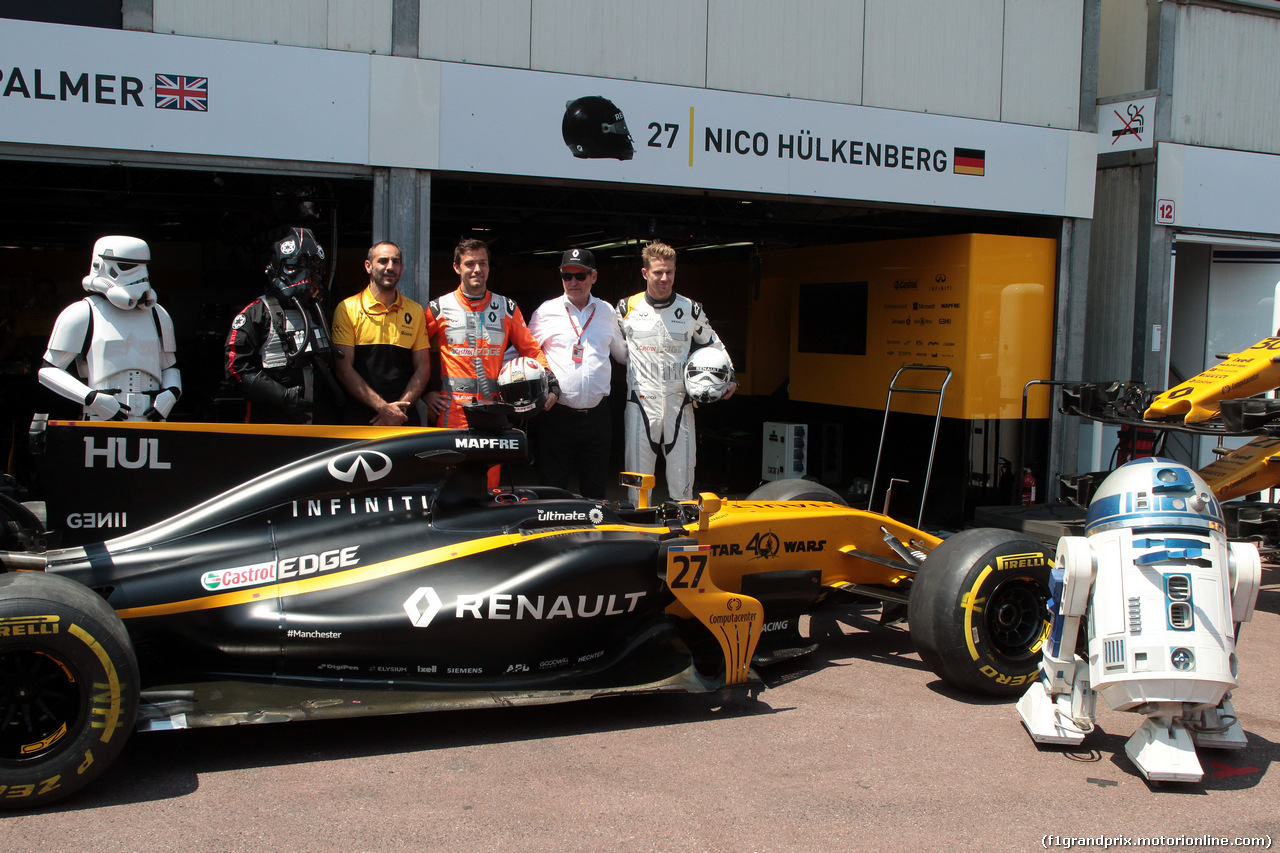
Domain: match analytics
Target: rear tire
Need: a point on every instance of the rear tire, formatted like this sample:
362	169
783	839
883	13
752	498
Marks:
68	688
796	490
978	610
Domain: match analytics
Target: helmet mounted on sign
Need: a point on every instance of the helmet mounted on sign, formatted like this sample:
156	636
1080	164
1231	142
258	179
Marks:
524	385
119	272
297	266
707	374
594	128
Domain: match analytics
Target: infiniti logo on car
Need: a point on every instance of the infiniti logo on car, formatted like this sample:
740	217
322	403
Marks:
375	465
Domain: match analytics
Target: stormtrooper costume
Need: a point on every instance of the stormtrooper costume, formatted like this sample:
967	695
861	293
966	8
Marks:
121	342
659	414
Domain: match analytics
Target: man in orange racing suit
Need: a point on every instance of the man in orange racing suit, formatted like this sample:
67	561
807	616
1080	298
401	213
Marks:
471	329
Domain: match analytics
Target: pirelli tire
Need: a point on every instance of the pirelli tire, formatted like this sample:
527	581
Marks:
796	490
68	688
978	610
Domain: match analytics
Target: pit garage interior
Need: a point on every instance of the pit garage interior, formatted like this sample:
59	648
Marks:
742	257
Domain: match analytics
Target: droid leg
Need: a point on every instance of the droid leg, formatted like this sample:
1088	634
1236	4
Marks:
1162	748
1217	728
1061	705
1064	717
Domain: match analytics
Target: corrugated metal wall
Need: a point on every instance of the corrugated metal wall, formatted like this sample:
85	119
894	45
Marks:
1002	60
1225	94
359	25
659	41
1113	275
1042	38
936	58
482	32
801	49
1122	53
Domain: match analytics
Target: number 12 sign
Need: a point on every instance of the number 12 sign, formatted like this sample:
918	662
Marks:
1164	211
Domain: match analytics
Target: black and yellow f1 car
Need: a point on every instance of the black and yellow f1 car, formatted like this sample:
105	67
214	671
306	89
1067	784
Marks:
187	578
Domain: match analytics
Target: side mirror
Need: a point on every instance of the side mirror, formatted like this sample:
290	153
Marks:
644	483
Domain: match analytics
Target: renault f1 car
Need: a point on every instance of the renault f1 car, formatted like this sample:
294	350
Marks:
375	573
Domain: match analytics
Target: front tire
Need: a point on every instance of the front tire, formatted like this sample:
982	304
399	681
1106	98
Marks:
68	688
796	490
978	610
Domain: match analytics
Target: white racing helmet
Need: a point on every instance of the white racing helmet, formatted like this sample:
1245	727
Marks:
524	385
119	272
707	374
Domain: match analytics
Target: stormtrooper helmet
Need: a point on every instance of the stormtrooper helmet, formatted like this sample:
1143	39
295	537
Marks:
707	374
119	272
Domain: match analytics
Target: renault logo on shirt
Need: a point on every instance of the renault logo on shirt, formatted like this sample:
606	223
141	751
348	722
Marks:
375	465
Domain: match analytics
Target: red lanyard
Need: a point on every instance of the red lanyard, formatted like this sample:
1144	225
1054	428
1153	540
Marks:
577	348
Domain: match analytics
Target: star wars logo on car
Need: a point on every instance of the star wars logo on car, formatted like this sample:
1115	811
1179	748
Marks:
423	606
768	545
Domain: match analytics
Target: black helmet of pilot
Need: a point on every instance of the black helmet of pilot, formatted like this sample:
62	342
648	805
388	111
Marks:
297	266
593	127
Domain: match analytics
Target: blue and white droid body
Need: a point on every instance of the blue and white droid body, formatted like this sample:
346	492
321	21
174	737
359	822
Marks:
1162	591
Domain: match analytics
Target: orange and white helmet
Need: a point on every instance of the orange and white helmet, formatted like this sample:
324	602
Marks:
524	385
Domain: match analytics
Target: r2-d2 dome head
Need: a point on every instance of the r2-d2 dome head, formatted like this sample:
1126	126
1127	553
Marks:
119	272
1153	492
707	374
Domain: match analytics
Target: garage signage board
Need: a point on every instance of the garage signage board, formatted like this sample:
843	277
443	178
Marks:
98	88
504	121
1200	188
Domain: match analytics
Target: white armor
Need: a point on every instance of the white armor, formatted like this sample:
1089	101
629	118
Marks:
659	415
1162	591
121	342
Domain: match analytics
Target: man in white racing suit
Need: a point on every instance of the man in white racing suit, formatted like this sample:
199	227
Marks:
120	341
662	328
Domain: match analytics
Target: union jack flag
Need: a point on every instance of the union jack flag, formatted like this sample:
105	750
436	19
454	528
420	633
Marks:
175	92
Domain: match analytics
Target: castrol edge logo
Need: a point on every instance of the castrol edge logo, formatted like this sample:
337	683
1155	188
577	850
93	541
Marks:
282	569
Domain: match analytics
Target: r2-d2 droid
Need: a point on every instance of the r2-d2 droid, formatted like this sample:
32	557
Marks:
1161	591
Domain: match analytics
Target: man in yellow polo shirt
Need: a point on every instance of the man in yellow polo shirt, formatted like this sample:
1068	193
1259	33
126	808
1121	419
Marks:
382	346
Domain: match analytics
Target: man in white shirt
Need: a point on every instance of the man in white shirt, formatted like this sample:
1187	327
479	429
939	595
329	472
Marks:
578	333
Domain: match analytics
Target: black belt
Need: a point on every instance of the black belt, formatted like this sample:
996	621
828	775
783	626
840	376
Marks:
571	410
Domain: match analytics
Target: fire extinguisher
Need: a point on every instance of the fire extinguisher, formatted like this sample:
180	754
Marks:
1028	487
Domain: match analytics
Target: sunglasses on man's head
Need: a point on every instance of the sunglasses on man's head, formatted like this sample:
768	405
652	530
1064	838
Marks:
580	276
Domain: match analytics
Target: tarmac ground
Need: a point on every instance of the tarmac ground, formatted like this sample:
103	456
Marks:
856	747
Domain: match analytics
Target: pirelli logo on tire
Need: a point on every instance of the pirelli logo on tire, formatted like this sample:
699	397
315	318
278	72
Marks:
1030	560
28	626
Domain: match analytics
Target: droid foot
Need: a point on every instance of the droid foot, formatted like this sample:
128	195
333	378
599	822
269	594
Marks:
1163	752
1048	721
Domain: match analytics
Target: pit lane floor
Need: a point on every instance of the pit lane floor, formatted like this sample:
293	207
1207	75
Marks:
857	748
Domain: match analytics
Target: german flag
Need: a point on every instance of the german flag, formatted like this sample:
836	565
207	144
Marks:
969	161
